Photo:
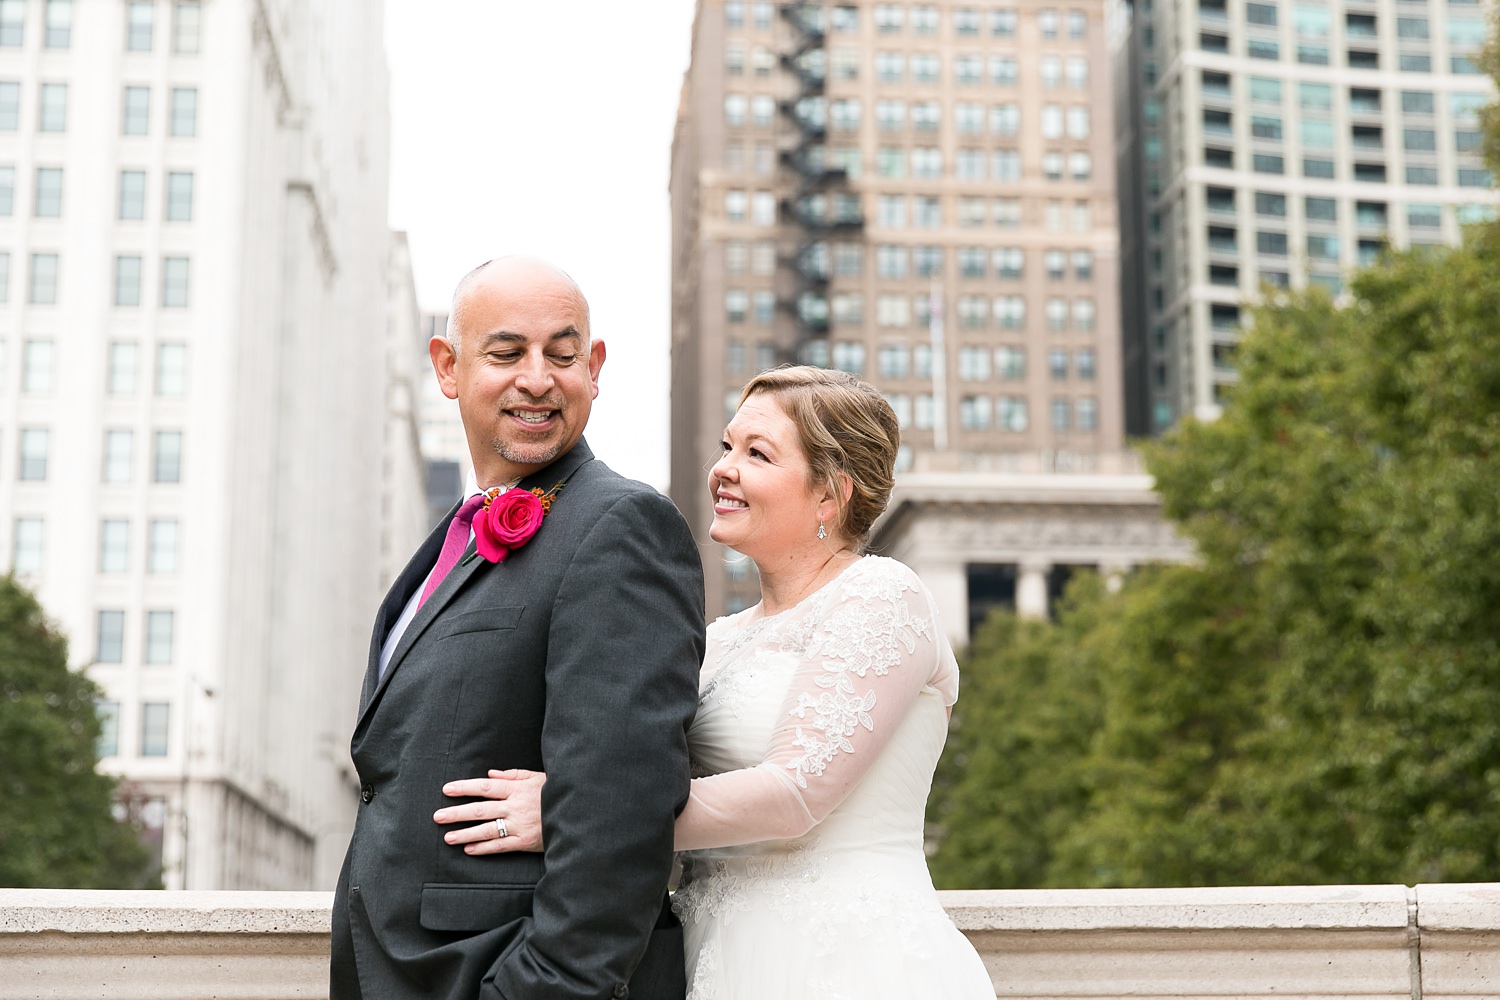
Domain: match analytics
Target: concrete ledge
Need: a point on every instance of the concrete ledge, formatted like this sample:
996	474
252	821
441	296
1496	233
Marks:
1433	942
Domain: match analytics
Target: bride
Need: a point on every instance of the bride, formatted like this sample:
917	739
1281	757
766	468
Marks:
822	712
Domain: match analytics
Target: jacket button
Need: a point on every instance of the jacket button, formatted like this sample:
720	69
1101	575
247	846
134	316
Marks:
621	991
366	794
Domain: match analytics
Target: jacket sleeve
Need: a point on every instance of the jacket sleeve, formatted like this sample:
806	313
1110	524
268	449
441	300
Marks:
624	650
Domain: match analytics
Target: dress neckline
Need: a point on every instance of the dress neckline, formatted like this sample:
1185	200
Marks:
763	619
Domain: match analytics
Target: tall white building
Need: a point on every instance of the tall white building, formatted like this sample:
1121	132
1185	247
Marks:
1280	143
193	297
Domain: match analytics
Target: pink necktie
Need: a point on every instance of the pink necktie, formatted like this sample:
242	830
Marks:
454	544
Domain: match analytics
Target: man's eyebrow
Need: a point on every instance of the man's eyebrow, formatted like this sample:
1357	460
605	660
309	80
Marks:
507	337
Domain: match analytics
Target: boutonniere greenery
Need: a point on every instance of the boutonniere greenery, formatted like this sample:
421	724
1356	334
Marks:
509	519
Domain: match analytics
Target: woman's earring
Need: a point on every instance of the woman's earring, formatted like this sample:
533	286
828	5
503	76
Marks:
822	531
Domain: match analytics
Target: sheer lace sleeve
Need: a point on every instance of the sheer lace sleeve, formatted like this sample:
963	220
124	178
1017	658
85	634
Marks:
874	646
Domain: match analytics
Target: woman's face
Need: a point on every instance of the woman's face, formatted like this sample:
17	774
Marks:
763	505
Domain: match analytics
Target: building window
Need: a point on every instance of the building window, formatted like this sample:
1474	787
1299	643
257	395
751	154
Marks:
891	261
973	311
174	282
765	308
736	305
1004	71
1010	262
849	356
43	279
12	23
1062	411
119	456
1081	166
127	281
114	546
132	195
1007	211
140	19
10	106
184	113
971	262
762	111
1086	414
893	311
1003	22
1057	364
1084	362
1013	416
1010	363
57	24
136	117
736	257
37	362
893	361
49	192
1056	311
108	743
974	363
159	628
763	258
735	106
925	67
171	370
180	196
52	114
161	552
1010	312
974	412
26	552
890	211
120	377
187	26
1005	165
166	466
32	464
1083	315
155	716
735	204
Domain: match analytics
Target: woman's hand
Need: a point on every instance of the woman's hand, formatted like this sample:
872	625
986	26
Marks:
512	796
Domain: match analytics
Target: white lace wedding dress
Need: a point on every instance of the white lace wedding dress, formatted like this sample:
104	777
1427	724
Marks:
817	732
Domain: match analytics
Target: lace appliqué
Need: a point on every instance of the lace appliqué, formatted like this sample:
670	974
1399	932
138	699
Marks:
870	627
737	675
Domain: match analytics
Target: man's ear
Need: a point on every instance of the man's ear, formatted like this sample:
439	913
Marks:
444	359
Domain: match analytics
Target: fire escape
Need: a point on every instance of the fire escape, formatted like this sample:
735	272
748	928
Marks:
822	204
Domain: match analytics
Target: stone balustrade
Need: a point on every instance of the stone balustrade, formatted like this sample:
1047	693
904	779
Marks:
1432	942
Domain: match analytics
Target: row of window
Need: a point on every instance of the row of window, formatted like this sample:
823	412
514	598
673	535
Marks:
157	641
161	546
901	311
39	368
140	24
1055	121
1313	21
42	281
1367	214
1364	172
921	19
135	120
1320	133
154	732
900	361
1318	55
1463	105
166	455
47	200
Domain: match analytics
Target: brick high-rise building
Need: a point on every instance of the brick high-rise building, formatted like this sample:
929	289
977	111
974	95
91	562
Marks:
923	194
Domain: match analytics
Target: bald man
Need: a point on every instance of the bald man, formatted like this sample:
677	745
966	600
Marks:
577	654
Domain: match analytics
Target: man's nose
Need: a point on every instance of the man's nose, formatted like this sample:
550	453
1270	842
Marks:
534	374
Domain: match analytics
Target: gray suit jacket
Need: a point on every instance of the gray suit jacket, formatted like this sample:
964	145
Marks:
577	655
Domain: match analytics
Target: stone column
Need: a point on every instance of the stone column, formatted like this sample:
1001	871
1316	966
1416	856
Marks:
1114	572
949	583
1031	588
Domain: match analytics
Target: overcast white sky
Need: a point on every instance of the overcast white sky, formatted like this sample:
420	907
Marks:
545	127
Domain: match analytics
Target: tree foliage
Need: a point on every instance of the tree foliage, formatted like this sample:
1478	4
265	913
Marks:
56	827
1317	699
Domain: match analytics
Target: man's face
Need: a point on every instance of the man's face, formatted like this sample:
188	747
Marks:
524	373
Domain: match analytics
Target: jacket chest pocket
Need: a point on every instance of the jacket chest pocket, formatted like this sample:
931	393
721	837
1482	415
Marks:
478	620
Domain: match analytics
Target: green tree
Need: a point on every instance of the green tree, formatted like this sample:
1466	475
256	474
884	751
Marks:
56	827
1318	698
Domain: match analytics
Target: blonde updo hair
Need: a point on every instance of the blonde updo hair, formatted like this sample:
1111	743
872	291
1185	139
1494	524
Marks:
846	428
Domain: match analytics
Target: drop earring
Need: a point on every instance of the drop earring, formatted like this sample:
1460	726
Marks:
822	531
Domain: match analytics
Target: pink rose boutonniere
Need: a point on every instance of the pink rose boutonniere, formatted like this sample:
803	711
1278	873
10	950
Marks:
509	519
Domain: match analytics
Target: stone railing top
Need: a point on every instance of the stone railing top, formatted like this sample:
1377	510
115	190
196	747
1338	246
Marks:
1236	908
144	911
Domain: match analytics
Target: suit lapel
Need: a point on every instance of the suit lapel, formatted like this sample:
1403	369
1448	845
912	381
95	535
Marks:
416	571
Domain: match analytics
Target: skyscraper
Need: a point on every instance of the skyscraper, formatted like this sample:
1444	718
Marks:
1280	144
193	282
922	194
